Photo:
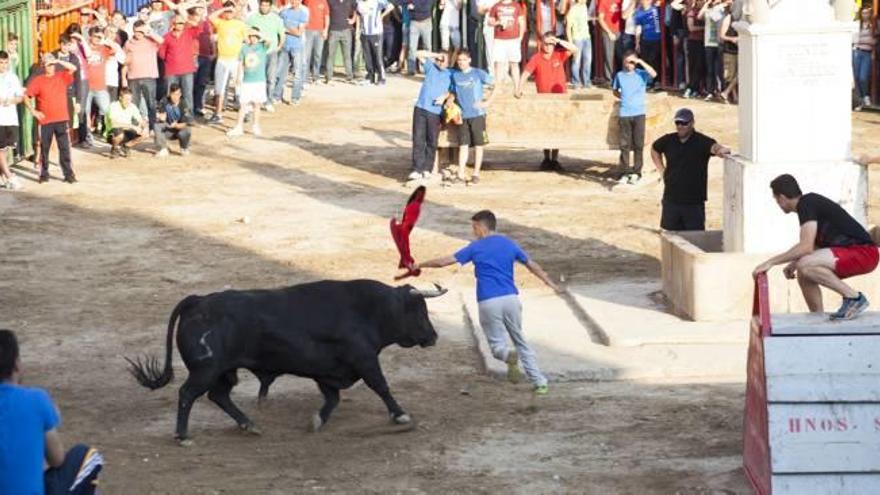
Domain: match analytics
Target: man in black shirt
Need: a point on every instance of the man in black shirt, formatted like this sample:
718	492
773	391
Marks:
685	172
833	246
342	17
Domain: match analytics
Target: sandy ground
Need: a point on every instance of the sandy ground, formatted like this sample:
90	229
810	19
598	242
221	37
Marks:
91	272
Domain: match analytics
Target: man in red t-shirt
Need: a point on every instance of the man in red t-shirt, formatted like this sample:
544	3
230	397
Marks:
509	20
317	30
608	13
178	51
548	66
50	92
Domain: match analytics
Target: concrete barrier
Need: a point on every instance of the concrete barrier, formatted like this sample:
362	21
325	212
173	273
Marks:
812	413
583	120
704	283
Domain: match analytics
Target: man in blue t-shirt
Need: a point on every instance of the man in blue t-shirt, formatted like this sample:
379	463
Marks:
468	83
647	21
426	115
493	256
295	18
28	429
630	85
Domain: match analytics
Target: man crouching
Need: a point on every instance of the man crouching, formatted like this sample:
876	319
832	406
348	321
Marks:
833	246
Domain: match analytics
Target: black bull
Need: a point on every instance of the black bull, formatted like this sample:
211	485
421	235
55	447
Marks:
329	331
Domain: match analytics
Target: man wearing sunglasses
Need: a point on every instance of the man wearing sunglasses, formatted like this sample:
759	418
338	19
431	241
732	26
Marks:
141	68
682	158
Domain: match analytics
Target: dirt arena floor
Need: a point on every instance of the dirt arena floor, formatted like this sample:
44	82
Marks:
91	272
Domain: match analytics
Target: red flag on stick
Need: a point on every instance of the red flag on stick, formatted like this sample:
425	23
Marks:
400	232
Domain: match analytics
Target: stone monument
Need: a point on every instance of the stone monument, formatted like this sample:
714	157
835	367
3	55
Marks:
794	117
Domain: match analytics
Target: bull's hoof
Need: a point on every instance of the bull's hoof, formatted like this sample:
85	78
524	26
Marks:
317	423
185	442
403	419
251	429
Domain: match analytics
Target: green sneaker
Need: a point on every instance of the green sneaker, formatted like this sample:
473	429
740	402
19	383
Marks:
541	389
514	375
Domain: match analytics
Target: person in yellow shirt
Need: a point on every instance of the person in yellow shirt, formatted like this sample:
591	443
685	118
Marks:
231	32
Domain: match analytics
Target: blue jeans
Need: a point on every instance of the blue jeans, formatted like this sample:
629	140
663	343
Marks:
862	72
419	29
714	69
286	60
186	86
581	70
272	59
314	50
203	76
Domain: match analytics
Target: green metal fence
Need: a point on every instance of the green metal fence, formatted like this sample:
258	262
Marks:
17	16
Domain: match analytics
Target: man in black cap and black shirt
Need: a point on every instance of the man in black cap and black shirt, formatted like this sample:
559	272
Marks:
832	246
682	158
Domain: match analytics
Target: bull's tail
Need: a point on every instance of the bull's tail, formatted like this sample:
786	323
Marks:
147	371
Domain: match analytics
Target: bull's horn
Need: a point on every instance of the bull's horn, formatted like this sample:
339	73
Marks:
438	291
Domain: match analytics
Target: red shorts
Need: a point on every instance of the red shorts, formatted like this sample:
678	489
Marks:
855	260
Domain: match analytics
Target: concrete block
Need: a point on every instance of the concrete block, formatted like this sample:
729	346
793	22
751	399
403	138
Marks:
704	283
753	222
564	121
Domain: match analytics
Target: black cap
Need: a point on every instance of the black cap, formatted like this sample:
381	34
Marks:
683	114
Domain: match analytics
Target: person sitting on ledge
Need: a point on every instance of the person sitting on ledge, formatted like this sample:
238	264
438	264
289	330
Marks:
833	246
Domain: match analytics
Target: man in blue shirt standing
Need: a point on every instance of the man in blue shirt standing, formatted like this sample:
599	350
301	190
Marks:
468	83
295	18
647	20
28	427
630	85
426	115
493	256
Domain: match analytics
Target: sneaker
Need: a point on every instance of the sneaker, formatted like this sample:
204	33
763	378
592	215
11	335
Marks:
215	119
256	130
633	179
13	184
850	308
162	153
184	151
866	101
199	113
363	82
270	108
687	93
124	151
235	131
475	179
295	102
514	375
381	82
541	389
546	165
709	97
393	68
426	176
623	179
114	152
414	175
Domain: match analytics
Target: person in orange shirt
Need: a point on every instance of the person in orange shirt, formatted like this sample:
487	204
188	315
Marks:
317	30
548	66
50	92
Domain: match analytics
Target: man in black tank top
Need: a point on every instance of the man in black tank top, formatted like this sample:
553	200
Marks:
833	246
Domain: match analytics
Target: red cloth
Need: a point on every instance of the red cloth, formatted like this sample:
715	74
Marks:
400	231
318	9
855	260
549	73
96	72
507	15
179	52
51	95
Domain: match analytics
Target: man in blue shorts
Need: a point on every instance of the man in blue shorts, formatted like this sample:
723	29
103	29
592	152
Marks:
493	256
30	438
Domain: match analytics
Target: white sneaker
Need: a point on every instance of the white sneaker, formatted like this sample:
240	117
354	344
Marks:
426	175
624	179
866	101
256	130
633	179
235	131
270	108
414	175
14	184
162	153
184	152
